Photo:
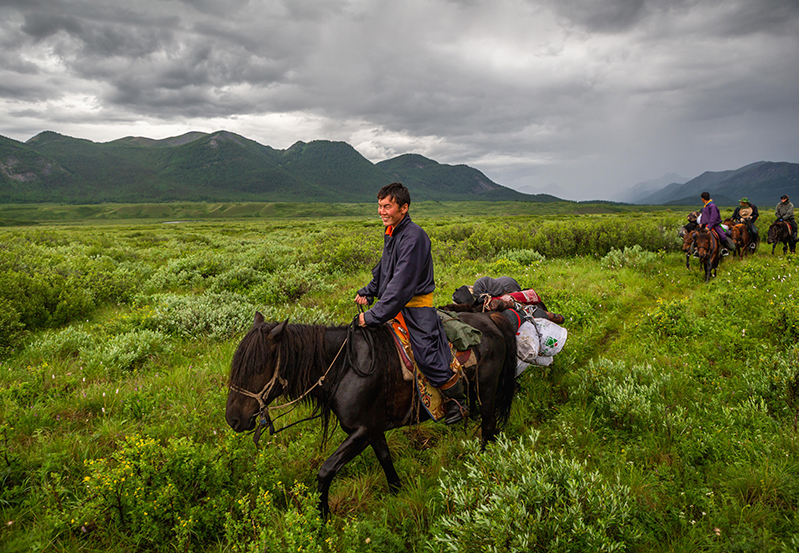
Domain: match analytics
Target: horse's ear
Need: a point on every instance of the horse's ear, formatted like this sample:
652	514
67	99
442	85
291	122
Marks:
278	330
259	318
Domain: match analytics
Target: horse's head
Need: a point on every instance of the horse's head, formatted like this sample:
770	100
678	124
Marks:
704	243
688	239
738	234
774	232
253	381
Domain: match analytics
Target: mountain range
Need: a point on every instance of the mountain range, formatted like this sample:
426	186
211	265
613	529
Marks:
643	189
762	183
223	166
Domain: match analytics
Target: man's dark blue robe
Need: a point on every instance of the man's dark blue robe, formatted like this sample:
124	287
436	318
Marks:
404	271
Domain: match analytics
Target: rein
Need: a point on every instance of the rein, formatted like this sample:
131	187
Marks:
263	398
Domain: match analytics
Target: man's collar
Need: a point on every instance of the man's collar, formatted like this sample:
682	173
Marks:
391	228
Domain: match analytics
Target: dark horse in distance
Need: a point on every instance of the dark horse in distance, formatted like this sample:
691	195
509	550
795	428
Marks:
780	231
355	374
708	249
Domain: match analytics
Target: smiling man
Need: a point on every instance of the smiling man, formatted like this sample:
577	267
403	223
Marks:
403	282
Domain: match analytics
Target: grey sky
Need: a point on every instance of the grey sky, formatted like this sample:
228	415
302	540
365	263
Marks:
591	96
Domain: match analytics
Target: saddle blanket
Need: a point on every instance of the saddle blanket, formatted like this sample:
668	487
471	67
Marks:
429	395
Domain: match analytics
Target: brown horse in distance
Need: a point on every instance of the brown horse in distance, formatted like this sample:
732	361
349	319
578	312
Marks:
708	248
689	247
741	237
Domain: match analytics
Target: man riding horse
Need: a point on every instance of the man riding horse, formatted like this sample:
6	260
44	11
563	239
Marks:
784	211
747	213
403	282
711	219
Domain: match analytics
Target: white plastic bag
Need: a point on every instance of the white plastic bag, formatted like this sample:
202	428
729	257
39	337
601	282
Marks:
551	337
527	342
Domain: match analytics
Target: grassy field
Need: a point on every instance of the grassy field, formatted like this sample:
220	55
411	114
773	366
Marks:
667	423
29	214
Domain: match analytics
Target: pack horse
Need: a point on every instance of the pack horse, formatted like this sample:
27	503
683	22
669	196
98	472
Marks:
355	373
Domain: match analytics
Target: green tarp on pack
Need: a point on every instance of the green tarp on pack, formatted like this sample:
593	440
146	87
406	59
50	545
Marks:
459	333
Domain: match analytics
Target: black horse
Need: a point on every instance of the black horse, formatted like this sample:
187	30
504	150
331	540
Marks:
780	231
355	373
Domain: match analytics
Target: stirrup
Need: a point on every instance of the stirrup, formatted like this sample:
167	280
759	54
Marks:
455	394
455	412
725	252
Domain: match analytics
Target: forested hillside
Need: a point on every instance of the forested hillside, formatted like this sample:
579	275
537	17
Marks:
221	166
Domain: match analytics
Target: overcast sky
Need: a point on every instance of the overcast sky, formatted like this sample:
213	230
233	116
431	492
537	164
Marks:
590	96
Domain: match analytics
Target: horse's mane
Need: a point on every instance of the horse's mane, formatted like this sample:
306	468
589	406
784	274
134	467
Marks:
460	308
301	349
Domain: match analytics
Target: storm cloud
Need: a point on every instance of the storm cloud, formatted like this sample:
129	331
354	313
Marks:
582	96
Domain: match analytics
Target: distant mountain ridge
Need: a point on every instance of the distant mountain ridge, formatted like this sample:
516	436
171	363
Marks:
763	183
641	190
222	166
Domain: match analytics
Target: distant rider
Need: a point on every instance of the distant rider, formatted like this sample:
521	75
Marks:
710	218
784	211
747	213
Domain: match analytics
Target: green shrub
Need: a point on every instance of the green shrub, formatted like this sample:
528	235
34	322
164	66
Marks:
129	351
11	326
672	318
238	280
62	344
255	525
345	250
633	256
162	495
208	315
522	497
291	283
523	257
191	271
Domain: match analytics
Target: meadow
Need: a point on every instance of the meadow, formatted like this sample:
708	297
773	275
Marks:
669	422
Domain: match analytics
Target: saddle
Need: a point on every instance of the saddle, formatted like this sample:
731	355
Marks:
429	395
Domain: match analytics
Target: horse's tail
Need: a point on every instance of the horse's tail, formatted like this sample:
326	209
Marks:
506	382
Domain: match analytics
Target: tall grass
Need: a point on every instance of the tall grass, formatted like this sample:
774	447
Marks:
668	422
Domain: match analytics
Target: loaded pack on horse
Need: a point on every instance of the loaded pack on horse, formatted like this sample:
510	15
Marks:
781	232
539	334
355	373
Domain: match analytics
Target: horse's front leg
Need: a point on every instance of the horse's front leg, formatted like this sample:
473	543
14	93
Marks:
353	445
381	449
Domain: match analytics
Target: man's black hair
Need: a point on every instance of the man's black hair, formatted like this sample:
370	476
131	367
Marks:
397	192
705	195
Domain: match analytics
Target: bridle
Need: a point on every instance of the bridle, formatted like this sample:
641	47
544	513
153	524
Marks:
263	398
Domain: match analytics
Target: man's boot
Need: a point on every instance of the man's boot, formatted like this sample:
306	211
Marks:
456	403
729	245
